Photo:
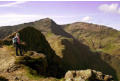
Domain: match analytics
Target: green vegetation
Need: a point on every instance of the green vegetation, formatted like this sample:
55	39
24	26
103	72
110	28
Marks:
35	66
49	34
32	74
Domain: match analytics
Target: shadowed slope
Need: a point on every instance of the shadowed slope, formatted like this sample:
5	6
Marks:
80	57
76	55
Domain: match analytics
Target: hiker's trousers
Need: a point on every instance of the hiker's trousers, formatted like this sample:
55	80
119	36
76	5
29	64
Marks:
18	49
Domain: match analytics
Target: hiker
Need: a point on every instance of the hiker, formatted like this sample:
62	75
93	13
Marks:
17	45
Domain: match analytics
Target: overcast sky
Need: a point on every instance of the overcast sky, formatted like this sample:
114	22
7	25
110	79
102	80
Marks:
97	12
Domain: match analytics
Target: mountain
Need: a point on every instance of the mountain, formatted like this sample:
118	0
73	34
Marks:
77	46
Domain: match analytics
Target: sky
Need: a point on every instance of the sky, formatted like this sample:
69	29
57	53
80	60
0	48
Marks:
62	12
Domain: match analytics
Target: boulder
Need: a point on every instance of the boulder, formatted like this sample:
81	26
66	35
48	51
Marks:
70	75
84	75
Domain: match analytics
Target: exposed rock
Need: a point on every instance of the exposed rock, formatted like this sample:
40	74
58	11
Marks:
13	68
6	60
70	74
83	75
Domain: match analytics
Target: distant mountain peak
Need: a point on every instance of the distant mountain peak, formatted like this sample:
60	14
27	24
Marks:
46	20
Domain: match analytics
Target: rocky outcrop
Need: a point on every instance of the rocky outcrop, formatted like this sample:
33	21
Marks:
14	68
87	75
6	60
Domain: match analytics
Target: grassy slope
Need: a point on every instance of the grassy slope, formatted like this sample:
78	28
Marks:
97	38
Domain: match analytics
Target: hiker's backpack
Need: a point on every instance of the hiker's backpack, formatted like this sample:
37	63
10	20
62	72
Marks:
15	40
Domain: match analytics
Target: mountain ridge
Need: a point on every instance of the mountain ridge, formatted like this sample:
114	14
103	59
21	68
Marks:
12	29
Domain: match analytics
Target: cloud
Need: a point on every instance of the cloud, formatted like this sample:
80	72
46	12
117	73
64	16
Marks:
14	19
13	4
109	8
86	18
119	10
16	15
